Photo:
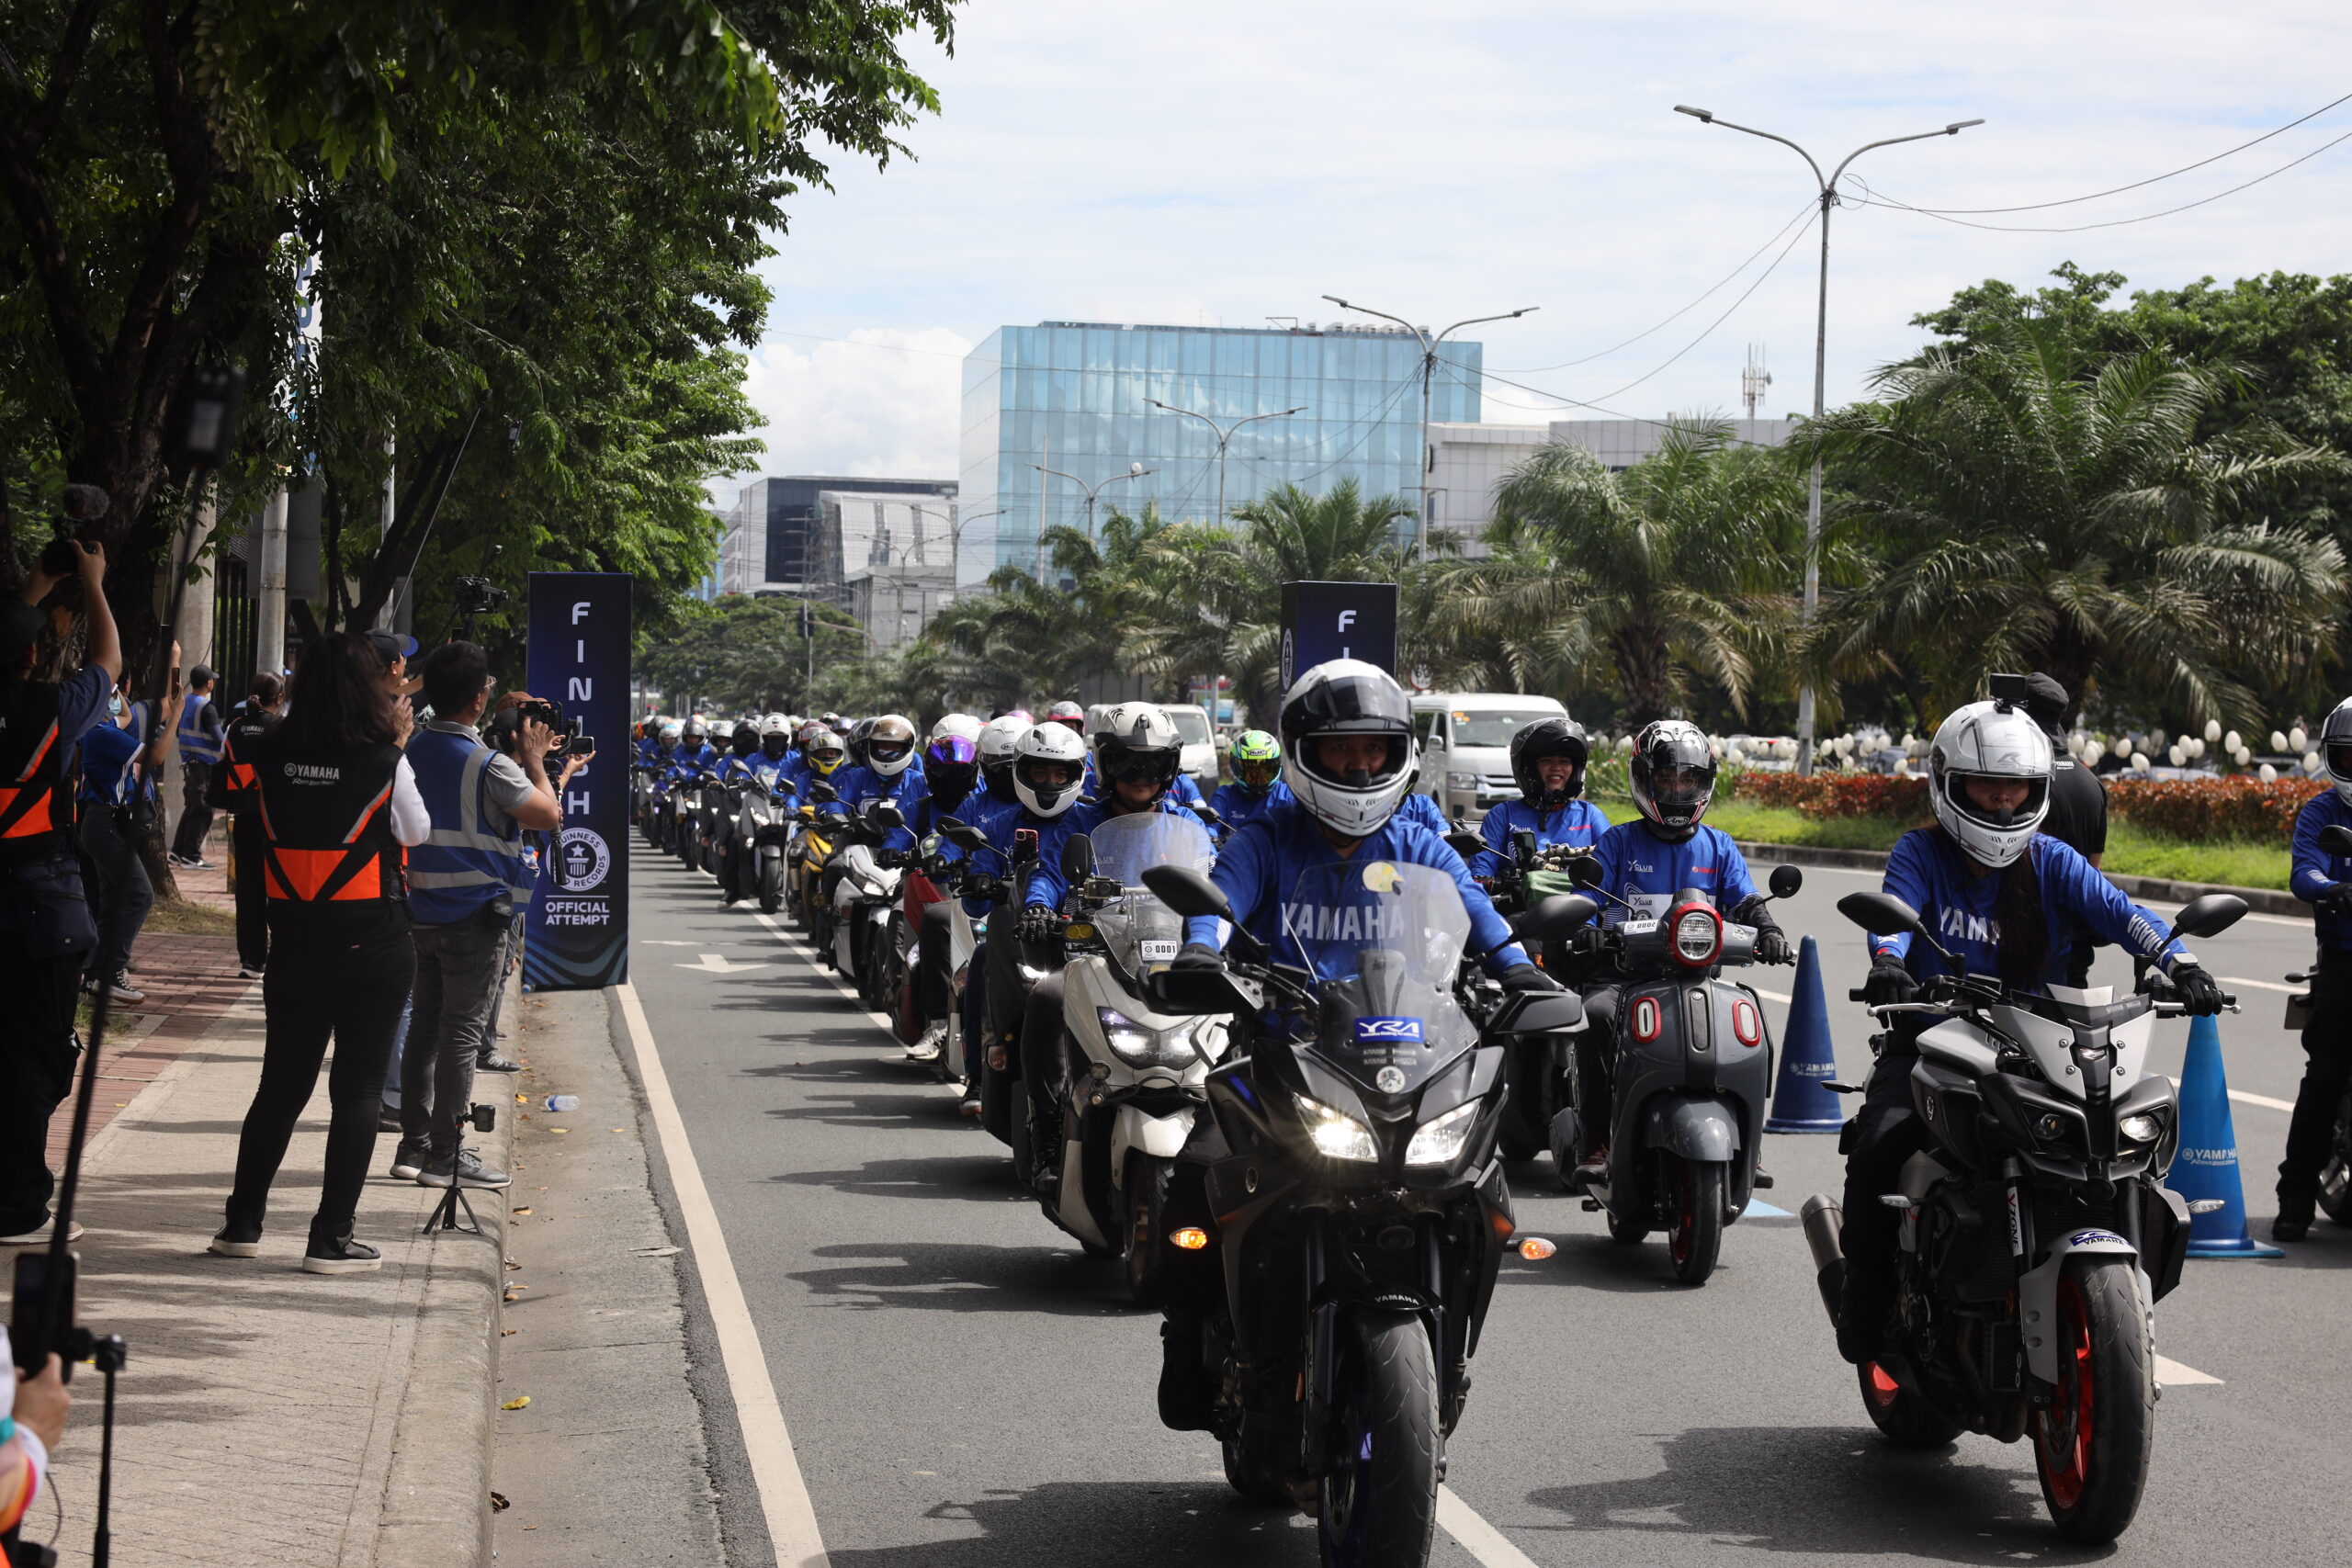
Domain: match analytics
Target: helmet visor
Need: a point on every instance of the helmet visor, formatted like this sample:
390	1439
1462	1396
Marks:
1257	774
1355	758
2000	802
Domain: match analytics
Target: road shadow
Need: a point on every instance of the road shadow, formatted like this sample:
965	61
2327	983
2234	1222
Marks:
1083	1524
1826	1491
1589	1262
975	1177
1056	1280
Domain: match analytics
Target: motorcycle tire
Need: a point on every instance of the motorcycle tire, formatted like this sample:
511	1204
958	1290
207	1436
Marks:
1379	1502
1017	1128
1695	1240
1252	1480
1903	1417
1627	1232
771	886
1526	1129
2091	1447
2336	1177
1147	1204
996	1102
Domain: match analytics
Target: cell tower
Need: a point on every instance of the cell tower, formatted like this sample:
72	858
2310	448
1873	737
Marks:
1754	379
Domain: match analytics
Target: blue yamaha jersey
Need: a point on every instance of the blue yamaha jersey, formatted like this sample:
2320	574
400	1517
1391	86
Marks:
2318	873
1238	806
1647	872
1578	825
687	759
858	785
1262	863
931	809
649	750
732	767
766	769
1929	872
1421	811
1046	884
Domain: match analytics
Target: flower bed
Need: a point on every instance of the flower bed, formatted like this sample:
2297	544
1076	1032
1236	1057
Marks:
1829	795
2236	807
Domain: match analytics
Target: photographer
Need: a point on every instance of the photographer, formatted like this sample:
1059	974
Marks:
338	802
462	886
118	810
505	734
45	926
232	790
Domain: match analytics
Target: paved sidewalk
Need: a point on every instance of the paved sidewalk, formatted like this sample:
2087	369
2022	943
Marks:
266	1415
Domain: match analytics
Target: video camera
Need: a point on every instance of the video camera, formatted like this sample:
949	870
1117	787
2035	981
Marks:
478	596
506	728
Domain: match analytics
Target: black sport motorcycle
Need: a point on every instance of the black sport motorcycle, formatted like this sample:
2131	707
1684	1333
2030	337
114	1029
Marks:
1331	1236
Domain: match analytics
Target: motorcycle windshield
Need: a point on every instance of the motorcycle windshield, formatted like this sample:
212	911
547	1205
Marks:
1383	942
1141	933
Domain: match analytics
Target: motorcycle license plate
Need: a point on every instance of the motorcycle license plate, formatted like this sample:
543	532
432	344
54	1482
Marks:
1156	951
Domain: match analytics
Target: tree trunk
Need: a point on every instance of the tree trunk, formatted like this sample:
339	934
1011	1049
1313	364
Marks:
2073	662
1644	672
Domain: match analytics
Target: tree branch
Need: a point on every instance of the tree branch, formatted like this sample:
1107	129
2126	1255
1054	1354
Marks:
63	71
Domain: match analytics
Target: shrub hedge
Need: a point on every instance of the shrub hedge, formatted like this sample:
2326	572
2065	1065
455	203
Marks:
2239	806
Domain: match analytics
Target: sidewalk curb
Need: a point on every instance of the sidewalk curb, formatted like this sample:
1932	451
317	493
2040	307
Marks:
2261	900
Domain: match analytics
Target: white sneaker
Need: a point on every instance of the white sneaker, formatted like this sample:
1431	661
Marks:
927	1049
41	1237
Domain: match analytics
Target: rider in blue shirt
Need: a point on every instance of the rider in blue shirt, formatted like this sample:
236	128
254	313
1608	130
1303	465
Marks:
1547	761
1256	758
888	773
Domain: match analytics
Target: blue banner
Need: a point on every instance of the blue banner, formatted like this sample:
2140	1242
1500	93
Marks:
575	930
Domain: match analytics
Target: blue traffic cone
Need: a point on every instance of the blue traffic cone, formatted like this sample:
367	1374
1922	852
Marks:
2207	1166
1799	1102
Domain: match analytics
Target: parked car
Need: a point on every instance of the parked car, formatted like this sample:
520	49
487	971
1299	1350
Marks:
1465	746
1200	743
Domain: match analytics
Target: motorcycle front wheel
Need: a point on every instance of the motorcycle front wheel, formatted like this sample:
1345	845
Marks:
2091	1446
771	886
1379	1502
1696	1238
1147	1204
2335	1177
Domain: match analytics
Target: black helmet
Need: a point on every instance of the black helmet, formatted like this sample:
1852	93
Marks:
1672	776
1348	697
746	737
1542	738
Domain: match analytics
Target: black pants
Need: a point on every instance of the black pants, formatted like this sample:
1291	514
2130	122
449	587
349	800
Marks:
1886	1133
1045	1060
195	817
340	977
976	1003
252	897
120	893
935	980
458	968
2327	1070
36	1054
1597	1069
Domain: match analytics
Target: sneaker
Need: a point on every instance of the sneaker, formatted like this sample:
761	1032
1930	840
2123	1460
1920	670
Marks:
40	1238
340	1255
927	1049
388	1118
238	1239
971	1105
491	1062
410	1159
468	1169
246	972
122	990
2294	1220
198	864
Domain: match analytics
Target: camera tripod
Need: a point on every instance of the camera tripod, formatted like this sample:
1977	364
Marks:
453	1202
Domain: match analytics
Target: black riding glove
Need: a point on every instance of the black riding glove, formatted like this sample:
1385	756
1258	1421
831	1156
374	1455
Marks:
1038	922
2337	901
1527	978
979	885
1771	944
1889	983
1197	957
2199	991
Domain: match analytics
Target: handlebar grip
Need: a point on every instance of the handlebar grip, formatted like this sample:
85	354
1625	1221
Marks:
1859	994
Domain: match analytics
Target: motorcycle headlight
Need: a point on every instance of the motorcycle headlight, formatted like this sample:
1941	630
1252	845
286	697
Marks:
2140	1129
1144	1048
1336	1134
1441	1142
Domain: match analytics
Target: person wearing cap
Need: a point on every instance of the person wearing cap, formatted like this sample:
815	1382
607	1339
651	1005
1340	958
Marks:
2077	817
45	925
398	648
200	741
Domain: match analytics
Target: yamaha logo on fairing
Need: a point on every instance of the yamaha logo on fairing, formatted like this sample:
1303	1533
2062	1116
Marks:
2083	1238
1370	1031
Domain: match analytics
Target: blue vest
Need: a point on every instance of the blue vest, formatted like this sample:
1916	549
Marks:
198	744
464	863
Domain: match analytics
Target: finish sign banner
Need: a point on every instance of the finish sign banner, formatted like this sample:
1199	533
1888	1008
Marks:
575	930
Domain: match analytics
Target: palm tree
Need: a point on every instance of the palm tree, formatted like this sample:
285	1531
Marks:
2037	505
1680	565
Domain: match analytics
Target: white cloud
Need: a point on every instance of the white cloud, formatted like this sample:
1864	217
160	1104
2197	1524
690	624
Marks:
881	401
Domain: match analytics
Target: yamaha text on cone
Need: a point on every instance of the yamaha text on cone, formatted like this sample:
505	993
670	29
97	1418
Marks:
2207	1165
1800	1104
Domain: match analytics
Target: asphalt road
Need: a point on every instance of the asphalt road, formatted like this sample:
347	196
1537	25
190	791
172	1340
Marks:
962	1386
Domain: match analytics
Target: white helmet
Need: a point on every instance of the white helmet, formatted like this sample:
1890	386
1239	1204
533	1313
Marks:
1136	740
998	737
1046	743
671	729
1992	740
961	724
1348	697
890	747
776	724
2335	749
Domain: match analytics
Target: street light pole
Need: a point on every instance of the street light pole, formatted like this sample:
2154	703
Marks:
1135	471
1429	372
1224	437
1828	196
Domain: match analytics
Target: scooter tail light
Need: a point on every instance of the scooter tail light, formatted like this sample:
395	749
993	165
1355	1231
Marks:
1648	1019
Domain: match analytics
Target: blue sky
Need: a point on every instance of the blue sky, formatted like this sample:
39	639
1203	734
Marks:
1229	162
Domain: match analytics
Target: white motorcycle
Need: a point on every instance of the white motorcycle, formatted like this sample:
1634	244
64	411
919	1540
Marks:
1138	1076
866	900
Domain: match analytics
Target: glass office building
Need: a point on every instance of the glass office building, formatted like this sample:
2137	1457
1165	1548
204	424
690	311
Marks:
1074	395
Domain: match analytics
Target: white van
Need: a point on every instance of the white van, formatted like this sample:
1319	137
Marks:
1200	743
1465	746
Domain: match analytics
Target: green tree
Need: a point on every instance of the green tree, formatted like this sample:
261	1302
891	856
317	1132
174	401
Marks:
747	655
1680	566
2036	503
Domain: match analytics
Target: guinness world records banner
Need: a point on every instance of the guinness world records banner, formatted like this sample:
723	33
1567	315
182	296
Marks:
575	928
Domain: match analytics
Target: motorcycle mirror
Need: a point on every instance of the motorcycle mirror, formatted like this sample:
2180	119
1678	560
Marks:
887	813
1208	813
1538	1012
1883	914
1585	872
1550	918
1187	892
2336	839
1785	881
962	836
1078	858
2214	912
823	791
1188	992
1465	844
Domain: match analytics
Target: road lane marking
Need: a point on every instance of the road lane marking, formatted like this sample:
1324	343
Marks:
1479	1539
2172	1374
2262	1100
2258	985
1771	996
767	1442
1757	1206
718	964
808	955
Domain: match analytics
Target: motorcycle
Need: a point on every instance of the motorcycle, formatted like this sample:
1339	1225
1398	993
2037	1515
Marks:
930	883
1535	1081
685	807
764	825
866	897
2037	1235
2335	1176
1136	1074
1692	1073
811	845
1331	1238
1014	967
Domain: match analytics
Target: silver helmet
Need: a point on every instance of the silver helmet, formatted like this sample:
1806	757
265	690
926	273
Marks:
2335	749
1989	740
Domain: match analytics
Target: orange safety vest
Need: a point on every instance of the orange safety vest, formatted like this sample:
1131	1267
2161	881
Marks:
33	815
326	823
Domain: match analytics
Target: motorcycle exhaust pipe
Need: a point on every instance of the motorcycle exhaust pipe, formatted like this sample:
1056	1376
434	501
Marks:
1823	1219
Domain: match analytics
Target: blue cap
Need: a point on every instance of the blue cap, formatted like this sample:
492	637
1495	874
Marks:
392	645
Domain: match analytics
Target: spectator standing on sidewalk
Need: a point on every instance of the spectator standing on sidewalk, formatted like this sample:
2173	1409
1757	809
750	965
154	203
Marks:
462	885
45	926
200	741
337	801
118	811
232	790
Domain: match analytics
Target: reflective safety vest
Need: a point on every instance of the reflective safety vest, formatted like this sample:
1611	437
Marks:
243	743
34	817
199	743
465	863
326	823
